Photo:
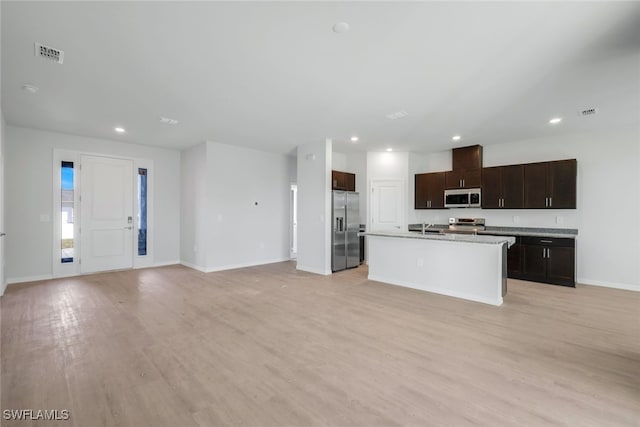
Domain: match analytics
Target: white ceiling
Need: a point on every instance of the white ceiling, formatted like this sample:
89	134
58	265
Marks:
273	75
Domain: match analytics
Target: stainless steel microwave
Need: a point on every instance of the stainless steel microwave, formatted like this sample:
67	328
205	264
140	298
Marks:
463	198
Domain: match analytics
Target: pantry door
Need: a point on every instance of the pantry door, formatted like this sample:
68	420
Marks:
387	206
106	208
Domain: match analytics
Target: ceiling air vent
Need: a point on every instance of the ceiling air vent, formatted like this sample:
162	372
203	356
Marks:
50	53
588	112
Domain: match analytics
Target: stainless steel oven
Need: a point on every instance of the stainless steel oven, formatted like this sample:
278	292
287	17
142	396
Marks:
463	198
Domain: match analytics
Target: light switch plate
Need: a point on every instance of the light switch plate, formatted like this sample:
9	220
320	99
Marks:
45	218
516	219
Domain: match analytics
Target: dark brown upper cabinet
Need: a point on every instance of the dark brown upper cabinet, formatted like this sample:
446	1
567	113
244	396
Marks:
550	185
466	158
463	178
429	190
503	187
343	181
467	168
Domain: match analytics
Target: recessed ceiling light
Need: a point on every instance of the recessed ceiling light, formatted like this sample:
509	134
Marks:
340	27
119	129
555	120
456	137
389	149
354	139
30	88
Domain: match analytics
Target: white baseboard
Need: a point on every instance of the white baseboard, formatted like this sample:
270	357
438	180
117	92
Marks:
625	286
193	266
232	266
313	270
12	280
165	263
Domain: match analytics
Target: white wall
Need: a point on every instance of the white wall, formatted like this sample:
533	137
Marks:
3	283
29	155
193	206
314	207
248	201
608	200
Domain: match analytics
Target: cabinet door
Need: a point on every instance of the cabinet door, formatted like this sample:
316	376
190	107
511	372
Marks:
535	185
421	197
514	262
464	158
512	186
453	179
349	181
337	180
534	262
561	266
562	184
472	178
491	187
429	191
435	189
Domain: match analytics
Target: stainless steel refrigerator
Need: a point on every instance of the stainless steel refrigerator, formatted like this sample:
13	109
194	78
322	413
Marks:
345	227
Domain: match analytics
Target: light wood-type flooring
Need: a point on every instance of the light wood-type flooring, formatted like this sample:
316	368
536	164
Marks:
271	346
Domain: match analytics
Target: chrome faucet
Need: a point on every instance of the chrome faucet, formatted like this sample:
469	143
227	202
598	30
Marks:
425	226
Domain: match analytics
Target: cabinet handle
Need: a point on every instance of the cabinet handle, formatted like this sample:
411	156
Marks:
463	182
550	201
544	252
546	202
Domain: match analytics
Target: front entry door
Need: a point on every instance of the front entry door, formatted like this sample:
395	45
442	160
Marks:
106	207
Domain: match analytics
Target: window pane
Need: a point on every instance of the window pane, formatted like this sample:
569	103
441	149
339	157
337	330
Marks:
66	211
142	211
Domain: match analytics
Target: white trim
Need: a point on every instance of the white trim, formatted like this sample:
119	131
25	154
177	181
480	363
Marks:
13	280
165	263
625	286
232	266
313	270
447	292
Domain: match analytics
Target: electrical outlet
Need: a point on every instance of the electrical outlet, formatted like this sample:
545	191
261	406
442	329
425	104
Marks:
516	219
420	262
559	219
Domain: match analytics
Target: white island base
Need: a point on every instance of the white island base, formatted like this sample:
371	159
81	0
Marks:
462	266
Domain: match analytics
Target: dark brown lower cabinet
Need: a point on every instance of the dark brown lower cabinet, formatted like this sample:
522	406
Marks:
514	255
548	260
543	259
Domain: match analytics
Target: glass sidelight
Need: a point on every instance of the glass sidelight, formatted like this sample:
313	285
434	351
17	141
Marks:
67	189
142	211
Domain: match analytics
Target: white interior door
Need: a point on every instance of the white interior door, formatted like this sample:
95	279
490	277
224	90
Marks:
106	208
387	206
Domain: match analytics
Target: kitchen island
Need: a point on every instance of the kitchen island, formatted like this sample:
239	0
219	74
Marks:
465	266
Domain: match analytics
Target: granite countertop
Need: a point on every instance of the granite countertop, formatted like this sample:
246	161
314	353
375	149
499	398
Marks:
466	238
512	231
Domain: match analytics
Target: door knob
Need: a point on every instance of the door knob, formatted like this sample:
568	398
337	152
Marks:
3	234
